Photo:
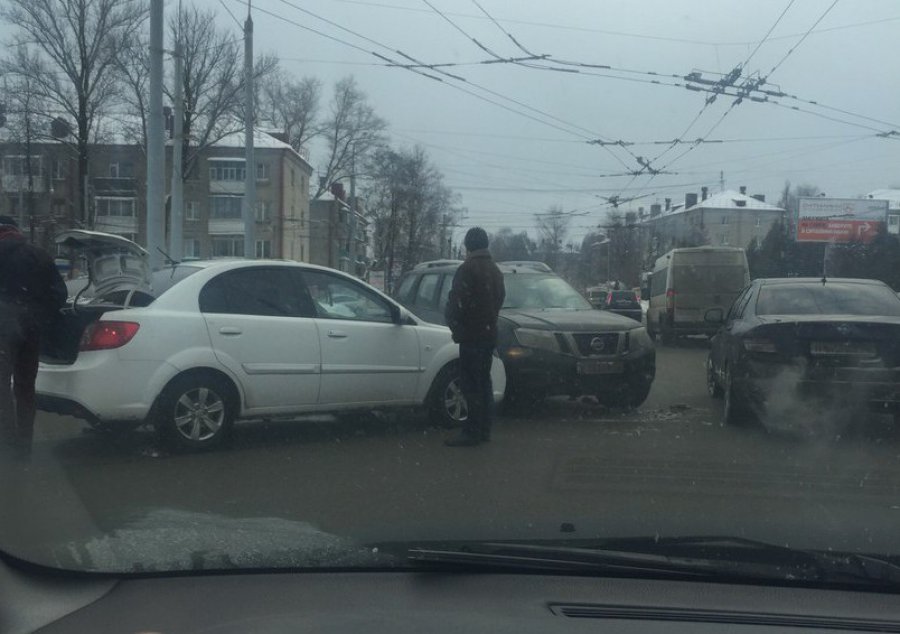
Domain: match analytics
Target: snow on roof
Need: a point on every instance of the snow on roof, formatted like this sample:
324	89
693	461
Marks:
261	139
730	199
890	195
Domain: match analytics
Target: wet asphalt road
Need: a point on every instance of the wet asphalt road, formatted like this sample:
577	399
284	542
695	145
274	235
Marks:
669	468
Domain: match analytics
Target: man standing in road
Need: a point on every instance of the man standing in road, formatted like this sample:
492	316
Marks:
31	294
472	308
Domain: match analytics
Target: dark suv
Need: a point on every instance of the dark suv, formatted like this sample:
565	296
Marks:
550	338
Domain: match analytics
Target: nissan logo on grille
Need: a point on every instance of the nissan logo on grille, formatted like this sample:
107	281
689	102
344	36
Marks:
598	345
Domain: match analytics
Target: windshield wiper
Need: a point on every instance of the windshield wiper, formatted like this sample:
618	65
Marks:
703	557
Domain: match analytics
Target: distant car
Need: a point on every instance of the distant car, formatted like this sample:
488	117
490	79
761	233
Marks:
623	303
596	295
551	340
804	349
206	343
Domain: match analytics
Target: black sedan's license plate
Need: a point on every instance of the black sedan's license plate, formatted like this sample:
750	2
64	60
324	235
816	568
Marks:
599	367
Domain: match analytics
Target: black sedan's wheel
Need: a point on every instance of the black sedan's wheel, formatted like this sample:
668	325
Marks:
736	411
447	406
196	411
712	385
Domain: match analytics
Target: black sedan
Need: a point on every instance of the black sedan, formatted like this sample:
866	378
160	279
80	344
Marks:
807	354
623	303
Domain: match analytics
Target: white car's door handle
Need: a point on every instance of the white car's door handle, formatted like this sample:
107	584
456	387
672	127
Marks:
230	330
337	334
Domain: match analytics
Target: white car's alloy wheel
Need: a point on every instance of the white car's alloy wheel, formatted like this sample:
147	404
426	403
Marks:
455	402
199	414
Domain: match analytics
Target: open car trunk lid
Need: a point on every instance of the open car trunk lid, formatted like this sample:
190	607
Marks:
113	262
118	277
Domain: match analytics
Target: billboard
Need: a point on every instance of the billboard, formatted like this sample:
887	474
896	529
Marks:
840	219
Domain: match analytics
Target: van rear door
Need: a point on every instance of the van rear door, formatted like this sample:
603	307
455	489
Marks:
701	281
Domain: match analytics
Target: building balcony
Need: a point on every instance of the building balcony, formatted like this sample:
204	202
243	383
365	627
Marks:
116	224
226	187
228	226
20	184
106	186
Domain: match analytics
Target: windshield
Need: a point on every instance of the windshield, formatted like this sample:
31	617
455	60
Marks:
524	291
709	279
334	365
828	299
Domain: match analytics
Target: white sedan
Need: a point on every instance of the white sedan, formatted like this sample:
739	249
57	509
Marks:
201	344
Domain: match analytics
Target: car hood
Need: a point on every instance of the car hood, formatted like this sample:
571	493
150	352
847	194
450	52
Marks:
587	320
113	262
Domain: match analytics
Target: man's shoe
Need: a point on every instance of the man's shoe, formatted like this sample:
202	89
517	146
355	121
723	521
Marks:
462	440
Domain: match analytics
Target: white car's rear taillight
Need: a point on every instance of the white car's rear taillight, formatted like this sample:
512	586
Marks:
108	335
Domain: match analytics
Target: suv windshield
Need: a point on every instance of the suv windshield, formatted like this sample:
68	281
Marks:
528	290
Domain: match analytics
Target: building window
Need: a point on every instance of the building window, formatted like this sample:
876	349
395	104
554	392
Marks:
232	171
262	171
724	220
302	182
59	170
191	248
263	210
302	218
191	210
228	246
723	238
16	165
293	175
264	248
758	221
121	170
302	253
225	207
115	207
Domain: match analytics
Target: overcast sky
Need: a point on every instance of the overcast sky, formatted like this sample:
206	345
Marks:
509	165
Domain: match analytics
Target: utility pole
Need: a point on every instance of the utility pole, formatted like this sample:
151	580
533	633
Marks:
176	229
249	157
351	246
721	180
156	149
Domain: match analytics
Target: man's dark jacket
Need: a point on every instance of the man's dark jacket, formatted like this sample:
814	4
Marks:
29	280
475	300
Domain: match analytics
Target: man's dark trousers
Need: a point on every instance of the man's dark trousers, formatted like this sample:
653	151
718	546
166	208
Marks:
19	354
475	382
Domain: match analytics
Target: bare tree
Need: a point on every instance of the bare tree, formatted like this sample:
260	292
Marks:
74	45
133	67
291	106
213	86
553	227
353	131
410	206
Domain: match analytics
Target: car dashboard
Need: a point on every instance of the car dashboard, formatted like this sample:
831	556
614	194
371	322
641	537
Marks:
426	601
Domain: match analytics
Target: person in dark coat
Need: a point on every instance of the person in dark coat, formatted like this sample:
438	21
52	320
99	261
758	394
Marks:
473	306
32	292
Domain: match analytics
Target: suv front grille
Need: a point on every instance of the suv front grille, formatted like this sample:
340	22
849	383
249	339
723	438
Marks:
596	344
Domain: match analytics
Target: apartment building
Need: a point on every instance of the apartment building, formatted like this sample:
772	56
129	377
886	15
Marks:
40	188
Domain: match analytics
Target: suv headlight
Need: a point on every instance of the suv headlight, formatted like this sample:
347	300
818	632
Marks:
637	339
542	339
